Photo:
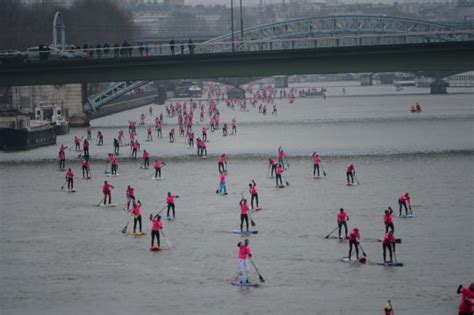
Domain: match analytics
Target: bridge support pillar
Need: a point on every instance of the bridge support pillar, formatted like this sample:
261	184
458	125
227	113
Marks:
439	87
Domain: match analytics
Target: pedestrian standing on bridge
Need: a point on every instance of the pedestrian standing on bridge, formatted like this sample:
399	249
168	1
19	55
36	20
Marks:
181	46
172	45
191	47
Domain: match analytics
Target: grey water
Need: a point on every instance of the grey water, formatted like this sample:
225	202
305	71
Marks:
61	254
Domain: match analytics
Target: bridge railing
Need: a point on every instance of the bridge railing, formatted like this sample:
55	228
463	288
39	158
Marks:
239	46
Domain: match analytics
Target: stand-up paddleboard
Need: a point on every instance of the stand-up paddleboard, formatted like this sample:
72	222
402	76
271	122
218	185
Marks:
107	205
361	260
155	248
158	178
72	190
390	264
222	194
244	232
112	175
137	233
281	186
256	209
317	177
349	184
170	218
244	284
407	216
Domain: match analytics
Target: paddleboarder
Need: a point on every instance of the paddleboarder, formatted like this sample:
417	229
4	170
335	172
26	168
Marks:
106	189
388	243
157	166
222	186
272	164
62	157
354	238
466	302
245	252
85	147
278	172
342	219
137	216
130	194
221	160
85	168
316	160
156	226
388	220
388	309
350	173
170	202
402	203
146	159
244	207
70	179
253	193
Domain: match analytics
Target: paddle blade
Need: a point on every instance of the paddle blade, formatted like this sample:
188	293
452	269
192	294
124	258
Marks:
124	230
261	278
252	222
287	183
324	173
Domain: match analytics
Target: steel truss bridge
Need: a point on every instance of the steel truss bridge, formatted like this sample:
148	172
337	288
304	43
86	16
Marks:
332	44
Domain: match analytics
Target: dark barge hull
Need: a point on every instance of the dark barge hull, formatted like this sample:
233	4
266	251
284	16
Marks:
24	139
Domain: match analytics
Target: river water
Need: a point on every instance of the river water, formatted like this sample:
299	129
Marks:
61	254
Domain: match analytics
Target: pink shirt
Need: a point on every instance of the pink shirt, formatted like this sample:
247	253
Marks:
136	210
146	154
279	170
221	159
342	217
253	189
316	159
244	207
130	192
222	177
157	164
244	251
387	218
156	224
170	199
69	174
466	301
354	236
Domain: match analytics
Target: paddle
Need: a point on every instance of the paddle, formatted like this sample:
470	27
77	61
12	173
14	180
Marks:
101	200
356	180
327	236
259	275
124	230
286	181
166	239
105	170
394	254
363	252
62	187
324	173
252	222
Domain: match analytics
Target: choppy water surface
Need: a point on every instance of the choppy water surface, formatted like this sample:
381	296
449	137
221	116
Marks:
60	254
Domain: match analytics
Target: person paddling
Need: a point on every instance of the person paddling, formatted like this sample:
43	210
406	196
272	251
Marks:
245	252
402	202
130	195
157	166
272	164
137	216
342	219
278	172
244	207
170	202
85	168
388	220
70	179
388	243
106	189
62	157
388	309
354	238
156	226
466	302
221	160
146	159
316	160
85	147
222	186
350	173
253	193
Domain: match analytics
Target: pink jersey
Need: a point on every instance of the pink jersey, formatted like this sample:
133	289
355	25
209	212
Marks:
342	217
131	192
316	159
69	174
146	155
354	236
244	251
387	218
253	189
221	159
281	155
244	207
222	177
157	164
170	199
106	188
85	163
137	210
156	224
466	301
350	168
279	170
388	238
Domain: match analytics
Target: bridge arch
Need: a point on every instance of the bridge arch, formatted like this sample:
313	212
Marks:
340	30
